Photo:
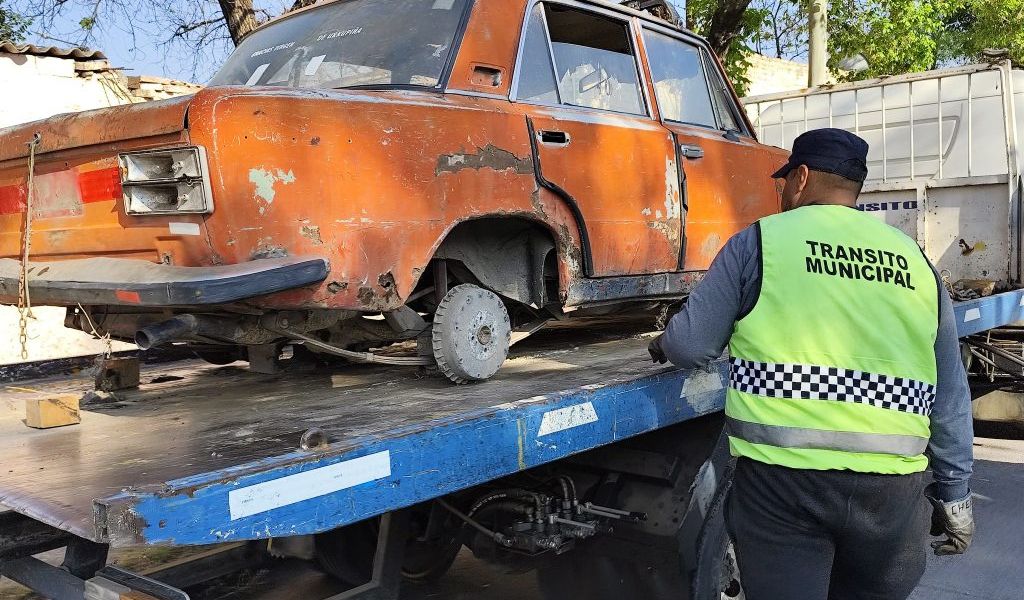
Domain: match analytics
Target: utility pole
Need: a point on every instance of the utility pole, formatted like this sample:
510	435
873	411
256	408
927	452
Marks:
817	51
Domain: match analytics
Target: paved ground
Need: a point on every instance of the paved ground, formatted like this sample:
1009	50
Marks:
992	570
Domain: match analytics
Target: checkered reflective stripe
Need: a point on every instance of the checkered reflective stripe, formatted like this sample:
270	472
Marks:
813	382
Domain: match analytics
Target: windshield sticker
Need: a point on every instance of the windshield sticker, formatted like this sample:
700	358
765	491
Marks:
338	34
260	70
314	64
443	4
272	49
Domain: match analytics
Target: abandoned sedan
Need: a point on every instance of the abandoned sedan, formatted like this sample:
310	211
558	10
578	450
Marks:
363	172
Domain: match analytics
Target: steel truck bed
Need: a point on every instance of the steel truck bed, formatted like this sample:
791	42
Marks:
203	454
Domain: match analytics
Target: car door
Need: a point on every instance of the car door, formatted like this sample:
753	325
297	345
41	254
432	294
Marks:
725	173
594	141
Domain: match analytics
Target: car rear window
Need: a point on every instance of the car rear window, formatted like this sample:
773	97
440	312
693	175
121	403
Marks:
352	43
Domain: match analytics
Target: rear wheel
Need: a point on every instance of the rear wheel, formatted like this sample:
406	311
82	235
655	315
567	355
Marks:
471	333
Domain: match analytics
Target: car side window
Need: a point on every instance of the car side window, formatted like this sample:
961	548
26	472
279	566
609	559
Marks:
537	75
679	81
724	105
594	61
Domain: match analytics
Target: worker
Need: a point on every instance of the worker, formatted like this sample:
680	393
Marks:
846	384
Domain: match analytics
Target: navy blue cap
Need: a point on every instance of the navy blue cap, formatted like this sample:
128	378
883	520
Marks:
829	150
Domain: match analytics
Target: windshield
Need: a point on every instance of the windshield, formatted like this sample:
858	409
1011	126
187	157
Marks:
350	43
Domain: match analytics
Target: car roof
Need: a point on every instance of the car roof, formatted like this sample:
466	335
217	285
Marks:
607	4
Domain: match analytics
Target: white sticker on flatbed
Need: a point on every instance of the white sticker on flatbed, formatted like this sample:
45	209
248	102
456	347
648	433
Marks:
269	495
972	314
561	419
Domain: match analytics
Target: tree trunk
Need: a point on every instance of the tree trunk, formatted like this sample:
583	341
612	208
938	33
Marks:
240	18
302	4
726	23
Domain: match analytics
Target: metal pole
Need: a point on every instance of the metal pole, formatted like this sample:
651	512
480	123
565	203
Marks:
817	52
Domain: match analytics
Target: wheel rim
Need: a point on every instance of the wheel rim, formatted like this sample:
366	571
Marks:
470	334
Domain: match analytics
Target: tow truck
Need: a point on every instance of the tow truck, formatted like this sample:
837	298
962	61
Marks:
580	459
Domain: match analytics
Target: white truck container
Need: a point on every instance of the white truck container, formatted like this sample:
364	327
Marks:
944	164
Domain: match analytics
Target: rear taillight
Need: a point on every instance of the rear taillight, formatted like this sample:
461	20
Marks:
171	181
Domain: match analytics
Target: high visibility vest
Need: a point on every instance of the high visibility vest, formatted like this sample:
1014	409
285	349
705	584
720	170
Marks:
834	367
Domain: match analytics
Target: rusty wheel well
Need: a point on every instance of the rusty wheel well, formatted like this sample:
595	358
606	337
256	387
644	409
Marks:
515	257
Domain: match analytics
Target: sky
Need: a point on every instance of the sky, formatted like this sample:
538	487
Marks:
135	43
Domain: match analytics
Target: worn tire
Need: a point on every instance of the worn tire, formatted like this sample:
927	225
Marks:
683	558
471	333
347	553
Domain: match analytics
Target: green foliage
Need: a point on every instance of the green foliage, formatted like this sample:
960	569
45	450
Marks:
87	23
895	36
979	24
13	26
698	19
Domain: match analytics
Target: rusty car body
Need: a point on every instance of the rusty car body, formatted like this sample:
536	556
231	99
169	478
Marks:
359	158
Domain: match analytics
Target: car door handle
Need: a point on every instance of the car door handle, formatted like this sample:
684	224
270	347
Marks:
691	151
554	138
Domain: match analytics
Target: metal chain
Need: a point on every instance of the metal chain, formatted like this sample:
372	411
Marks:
24	298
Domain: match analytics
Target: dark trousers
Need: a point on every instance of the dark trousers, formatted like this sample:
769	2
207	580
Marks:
827	535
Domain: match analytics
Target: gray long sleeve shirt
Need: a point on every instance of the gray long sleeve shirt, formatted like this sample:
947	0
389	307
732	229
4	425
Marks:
700	332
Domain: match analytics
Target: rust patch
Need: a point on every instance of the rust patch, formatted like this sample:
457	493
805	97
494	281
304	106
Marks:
538	206
386	298
488	157
312	233
315	141
334	287
366	296
666	229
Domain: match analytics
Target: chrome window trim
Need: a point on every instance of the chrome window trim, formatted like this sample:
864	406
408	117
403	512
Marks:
654	84
627	19
474	94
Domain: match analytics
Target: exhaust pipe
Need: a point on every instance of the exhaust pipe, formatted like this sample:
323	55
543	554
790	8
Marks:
165	332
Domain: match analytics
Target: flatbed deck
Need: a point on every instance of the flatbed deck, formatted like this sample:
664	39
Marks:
204	454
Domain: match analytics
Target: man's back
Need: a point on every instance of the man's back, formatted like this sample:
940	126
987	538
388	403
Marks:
809	363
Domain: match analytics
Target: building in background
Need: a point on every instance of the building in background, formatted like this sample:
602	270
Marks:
772	75
40	82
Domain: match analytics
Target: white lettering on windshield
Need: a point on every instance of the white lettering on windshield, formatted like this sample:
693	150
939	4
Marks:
272	49
340	33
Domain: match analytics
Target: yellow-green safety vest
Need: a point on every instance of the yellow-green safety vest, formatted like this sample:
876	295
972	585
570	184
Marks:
834	367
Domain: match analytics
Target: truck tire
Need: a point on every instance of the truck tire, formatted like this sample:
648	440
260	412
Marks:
347	553
681	553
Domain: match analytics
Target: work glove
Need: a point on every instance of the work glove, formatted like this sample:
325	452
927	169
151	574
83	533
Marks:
955	520
657	354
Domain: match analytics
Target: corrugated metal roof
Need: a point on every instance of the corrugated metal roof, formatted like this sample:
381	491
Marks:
33	50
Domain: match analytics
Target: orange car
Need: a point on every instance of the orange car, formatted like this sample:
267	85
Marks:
367	171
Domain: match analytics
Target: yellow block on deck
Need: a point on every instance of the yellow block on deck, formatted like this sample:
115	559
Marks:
56	411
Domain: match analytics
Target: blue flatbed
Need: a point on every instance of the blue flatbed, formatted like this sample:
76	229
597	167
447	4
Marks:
203	454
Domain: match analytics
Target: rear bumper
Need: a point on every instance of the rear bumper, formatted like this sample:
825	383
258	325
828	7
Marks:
131	282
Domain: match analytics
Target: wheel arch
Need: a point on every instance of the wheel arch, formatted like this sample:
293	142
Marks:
516	256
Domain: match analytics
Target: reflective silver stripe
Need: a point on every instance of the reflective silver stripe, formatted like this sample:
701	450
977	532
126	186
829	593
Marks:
846	441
